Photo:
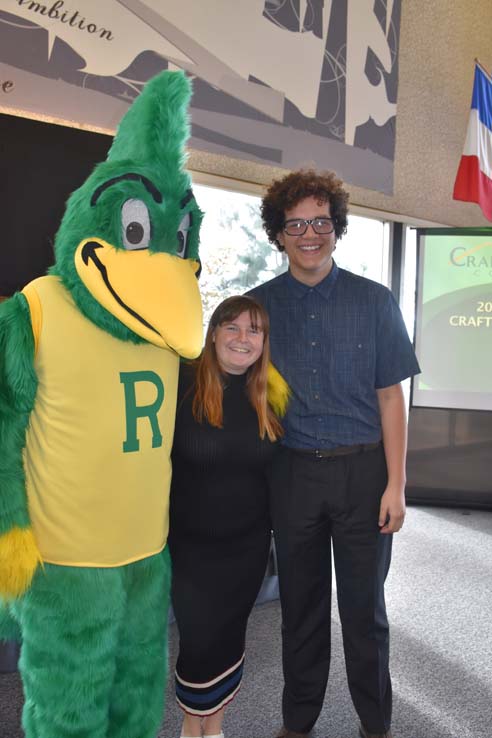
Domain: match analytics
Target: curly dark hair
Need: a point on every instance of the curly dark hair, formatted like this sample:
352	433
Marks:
284	194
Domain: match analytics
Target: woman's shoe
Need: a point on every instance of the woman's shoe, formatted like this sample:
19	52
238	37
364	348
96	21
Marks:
217	735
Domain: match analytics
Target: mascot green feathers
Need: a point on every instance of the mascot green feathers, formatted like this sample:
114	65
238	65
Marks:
88	377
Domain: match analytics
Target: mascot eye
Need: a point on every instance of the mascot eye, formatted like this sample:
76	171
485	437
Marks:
135	223
184	229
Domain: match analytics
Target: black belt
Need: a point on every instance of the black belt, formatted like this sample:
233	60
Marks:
330	453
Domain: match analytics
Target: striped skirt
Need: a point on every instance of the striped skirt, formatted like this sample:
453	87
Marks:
205	698
215	585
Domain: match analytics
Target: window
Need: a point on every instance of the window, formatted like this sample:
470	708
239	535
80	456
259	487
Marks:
409	280
407	302
234	250
364	248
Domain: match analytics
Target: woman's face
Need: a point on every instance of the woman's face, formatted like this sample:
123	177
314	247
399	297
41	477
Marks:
238	344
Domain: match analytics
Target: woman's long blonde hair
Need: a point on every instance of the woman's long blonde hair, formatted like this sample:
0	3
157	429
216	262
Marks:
209	383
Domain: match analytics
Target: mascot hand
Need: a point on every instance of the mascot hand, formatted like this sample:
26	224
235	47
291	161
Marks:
19	559
278	391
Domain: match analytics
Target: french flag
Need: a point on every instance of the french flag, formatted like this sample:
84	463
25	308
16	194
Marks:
474	178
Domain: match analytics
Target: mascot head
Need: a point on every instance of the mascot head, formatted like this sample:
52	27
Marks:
127	247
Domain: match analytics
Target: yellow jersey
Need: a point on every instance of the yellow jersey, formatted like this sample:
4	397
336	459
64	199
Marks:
97	455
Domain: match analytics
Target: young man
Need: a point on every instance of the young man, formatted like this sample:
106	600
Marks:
340	342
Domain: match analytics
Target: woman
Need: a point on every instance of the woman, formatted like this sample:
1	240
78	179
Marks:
220	527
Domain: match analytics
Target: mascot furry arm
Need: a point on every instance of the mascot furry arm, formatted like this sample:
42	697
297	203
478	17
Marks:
88	373
19	555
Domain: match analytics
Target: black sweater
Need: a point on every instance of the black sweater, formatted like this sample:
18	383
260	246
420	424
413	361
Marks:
219	486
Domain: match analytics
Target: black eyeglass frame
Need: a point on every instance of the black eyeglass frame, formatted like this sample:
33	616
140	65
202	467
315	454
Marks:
309	222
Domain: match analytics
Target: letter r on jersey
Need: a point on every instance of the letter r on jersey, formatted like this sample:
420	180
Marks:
134	412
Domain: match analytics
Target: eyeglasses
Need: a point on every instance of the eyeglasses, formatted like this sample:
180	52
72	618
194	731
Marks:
298	226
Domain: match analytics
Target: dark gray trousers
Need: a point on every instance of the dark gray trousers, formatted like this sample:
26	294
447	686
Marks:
316	503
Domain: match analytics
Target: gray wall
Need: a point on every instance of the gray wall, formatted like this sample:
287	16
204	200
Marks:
439	40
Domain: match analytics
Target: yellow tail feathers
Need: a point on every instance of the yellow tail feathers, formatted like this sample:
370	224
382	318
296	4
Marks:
19	559
278	391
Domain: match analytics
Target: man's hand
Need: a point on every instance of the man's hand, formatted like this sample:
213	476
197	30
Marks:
392	510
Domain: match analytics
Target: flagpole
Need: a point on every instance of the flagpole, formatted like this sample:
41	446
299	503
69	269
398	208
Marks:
484	70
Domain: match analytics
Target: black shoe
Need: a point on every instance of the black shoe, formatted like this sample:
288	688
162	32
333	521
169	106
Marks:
286	733
365	733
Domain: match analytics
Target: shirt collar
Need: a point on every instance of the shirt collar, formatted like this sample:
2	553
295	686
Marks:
323	288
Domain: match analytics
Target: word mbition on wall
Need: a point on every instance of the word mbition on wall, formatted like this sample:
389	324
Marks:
56	11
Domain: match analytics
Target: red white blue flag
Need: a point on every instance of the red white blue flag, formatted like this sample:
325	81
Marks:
474	178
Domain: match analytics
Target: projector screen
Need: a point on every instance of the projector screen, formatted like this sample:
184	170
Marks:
453	337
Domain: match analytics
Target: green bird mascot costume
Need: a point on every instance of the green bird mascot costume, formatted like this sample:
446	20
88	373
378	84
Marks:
88	375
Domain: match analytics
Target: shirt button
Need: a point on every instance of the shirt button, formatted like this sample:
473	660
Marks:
316	397
312	316
313	343
320	420
315	371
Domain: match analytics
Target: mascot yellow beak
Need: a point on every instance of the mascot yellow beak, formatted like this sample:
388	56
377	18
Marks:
153	293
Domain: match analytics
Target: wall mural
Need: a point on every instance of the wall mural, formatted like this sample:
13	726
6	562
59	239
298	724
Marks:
281	82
